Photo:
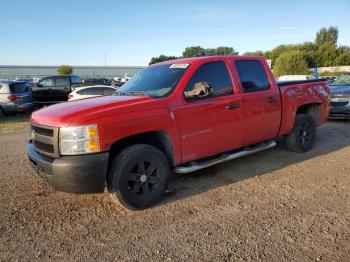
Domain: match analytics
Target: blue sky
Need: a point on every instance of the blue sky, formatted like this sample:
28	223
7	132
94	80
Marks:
78	32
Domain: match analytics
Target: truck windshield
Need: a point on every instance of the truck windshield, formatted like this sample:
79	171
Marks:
155	81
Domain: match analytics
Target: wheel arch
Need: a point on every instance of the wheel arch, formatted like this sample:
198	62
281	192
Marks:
311	109
159	139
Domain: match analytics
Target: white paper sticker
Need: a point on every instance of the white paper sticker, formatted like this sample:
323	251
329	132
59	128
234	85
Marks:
183	66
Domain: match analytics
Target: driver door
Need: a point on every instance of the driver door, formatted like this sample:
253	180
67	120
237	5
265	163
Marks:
210	121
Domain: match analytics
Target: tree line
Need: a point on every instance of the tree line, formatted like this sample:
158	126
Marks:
286	59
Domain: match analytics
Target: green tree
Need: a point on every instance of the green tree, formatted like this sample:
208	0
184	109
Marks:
161	58
194	51
65	70
327	35
221	50
255	53
290	63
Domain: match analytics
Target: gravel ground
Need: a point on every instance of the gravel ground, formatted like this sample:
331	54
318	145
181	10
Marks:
272	206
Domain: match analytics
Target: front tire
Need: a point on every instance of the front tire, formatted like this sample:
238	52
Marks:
303	135
139	176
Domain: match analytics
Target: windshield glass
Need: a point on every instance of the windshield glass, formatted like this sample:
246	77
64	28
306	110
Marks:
155	81
342	81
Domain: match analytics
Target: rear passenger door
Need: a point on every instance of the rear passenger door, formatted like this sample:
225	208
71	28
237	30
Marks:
62	88
261	107
209	123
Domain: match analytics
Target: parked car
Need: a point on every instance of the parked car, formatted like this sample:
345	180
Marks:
15	96
340	98
96	81
54	89
159	122
295	77
91	91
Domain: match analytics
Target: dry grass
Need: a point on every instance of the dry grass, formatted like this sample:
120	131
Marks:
14	122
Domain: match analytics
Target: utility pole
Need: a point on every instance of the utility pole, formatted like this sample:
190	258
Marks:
105	57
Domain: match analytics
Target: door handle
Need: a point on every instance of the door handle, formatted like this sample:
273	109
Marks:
232	106
271	99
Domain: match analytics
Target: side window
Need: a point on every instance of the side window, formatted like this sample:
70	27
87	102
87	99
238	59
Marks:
252	75
211	79
18	88
108	91
47	82
76	80
83	91
95	91
62	81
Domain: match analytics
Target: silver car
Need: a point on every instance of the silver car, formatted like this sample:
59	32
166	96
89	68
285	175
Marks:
15	96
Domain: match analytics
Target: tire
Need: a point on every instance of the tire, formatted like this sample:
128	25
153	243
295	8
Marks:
303	135
138	176
2	114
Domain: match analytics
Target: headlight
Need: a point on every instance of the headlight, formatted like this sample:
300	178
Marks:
79	140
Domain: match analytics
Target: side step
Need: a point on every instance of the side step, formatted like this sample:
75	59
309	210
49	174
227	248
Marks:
194	166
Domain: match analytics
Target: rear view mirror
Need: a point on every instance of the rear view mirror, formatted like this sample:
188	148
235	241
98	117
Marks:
200	90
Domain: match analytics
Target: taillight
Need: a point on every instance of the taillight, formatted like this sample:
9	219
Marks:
69	97
12	98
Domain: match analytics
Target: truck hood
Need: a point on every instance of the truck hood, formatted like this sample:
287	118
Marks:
63	114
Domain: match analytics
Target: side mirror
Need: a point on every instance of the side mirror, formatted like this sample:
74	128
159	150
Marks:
39	85
200	90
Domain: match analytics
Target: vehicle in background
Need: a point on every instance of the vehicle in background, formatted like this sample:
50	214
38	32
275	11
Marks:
54	89
96	81
182	115
15	96
295	77
91	91
340	98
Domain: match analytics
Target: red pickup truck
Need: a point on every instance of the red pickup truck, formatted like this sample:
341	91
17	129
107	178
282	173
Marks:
182	116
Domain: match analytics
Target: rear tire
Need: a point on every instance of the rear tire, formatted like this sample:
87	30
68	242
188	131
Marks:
2	113
139	176
303	135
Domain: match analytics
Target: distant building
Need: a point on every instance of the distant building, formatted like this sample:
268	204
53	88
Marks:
20	71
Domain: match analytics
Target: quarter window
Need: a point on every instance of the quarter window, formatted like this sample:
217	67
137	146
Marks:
252	75
215	75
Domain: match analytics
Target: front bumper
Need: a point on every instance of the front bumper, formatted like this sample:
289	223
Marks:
340	112
13	107
72	174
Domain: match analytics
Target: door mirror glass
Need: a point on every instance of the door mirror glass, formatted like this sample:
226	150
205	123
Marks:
199	90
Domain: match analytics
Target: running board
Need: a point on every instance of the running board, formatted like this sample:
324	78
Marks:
194	166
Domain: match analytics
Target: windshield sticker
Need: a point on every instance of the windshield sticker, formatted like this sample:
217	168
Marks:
183	66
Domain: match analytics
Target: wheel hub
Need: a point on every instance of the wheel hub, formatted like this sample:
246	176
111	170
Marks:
143	178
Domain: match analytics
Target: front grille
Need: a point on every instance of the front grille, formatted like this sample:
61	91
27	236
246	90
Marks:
44	147
43	131
339	103
45	140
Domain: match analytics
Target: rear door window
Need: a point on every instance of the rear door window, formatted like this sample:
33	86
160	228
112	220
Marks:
18	88
252	76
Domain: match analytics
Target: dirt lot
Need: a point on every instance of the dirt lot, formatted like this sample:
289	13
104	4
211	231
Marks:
272	206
